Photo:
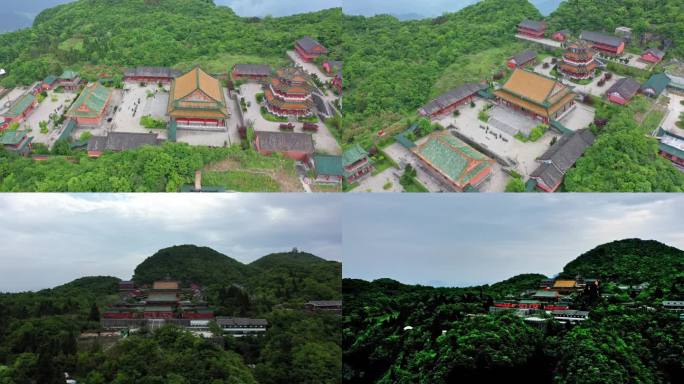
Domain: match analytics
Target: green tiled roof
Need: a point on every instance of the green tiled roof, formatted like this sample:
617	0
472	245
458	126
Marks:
20	105
12	137
158	309
94	97
163	297
68	75
453	157
671	150
545	294
353	154
657	82
50	79
328	165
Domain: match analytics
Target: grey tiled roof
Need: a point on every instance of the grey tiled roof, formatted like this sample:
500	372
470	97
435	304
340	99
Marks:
253	69
121	141
285	142
626	88
601	38
452	97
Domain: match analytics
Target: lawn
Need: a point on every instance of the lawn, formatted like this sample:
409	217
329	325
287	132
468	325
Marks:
71	44
240	181
225	62
475	67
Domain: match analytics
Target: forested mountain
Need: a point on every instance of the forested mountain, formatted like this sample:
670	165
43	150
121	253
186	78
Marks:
191	264
630	261
39	330
95	36
401	334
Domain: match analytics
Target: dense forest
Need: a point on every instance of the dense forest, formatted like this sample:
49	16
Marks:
39	330
96	36
627	339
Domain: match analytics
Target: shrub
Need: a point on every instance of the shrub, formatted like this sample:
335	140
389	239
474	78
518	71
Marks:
483	115
150	122
85	136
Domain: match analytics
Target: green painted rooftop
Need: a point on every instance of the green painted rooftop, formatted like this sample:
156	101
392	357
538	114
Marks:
457	160
12	137
20	105
94	97
353	154
50	79
68	75
328	165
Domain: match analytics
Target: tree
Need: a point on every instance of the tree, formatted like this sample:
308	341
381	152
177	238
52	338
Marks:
94	313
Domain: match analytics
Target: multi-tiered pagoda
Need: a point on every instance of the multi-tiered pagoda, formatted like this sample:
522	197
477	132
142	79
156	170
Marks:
578	61
288	93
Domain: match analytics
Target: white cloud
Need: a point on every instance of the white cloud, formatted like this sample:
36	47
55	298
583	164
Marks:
50	239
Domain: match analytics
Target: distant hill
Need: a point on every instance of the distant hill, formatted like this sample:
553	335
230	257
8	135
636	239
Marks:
287	259
16	14
190	263
517	284
96	285
296	275
631	261
277	278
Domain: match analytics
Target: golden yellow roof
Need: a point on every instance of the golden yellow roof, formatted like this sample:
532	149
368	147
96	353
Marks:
165	285
194	80
564	284
532	86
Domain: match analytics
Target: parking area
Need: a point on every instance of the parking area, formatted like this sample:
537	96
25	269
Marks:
311	68
592	88
324	141
54	103
522	156
675	109
634	61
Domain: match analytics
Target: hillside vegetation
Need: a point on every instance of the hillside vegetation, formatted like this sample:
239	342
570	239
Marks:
116	34
630	261
400	334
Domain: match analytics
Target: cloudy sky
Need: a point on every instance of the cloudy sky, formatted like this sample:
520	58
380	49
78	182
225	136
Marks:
485	238
51	239
278	7
422	8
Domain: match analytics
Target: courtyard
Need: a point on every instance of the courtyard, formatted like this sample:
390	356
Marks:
324	141
521	156
54	104
675	110
138	101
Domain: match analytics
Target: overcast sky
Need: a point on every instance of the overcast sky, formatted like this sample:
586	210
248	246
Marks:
422	8
471	239
278	7
51	239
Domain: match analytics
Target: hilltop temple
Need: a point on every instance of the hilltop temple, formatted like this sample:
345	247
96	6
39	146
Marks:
578	61
196	99
288	93
538	96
